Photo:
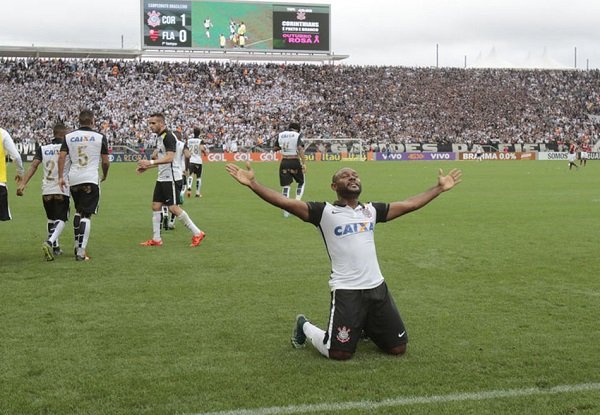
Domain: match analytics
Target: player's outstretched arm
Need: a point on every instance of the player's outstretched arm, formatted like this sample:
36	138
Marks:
247	178
445	183
23	183
62	157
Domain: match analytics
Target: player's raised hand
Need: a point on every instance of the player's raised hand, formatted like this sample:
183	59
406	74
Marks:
245	177
452	179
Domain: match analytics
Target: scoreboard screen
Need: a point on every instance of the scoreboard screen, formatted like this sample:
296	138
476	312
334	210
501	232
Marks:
205	25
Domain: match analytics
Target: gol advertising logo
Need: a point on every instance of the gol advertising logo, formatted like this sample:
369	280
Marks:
153	18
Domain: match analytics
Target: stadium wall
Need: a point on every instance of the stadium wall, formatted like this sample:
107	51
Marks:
27	152
370	156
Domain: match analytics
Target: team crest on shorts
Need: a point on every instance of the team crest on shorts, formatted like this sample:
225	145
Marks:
343	335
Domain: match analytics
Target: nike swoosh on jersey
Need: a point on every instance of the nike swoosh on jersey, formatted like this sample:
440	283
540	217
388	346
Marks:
333	212
402	334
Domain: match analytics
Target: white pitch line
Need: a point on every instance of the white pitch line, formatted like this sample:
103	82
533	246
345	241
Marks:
416	400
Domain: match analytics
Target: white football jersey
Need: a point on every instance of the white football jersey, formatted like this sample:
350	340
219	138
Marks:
194	144
84	147
166	142
349	239
48	156
289	141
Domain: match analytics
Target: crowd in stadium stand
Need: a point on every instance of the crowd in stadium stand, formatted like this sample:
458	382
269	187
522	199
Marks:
246	105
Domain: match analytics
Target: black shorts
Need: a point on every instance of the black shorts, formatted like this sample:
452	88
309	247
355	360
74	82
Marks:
56	207
196	169
373	311
290	169
4	210
166	193
86	197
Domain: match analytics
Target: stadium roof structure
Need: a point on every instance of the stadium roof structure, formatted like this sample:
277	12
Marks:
50	52
229	54
243	55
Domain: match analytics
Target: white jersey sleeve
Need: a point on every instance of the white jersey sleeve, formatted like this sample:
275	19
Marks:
11	150
179	161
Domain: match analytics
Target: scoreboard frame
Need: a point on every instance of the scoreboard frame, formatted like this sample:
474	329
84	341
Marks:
226	25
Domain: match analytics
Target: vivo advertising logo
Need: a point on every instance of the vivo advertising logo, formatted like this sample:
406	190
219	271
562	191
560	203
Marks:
414	156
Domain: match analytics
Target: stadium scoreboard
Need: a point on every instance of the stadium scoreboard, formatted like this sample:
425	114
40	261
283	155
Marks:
206	25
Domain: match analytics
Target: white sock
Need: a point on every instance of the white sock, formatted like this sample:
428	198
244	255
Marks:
86	232
285	191
50	226
156	219
299	191
198	186
188	223
59	225
316	337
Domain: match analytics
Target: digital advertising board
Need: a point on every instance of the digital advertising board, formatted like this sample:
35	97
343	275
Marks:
254	26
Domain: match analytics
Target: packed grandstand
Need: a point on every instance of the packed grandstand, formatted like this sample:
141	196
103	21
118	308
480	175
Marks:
248	104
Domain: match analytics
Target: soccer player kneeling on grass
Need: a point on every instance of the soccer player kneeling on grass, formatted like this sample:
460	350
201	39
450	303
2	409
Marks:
360	299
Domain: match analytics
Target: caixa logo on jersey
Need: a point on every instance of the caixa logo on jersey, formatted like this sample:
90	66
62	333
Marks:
353	228
216	157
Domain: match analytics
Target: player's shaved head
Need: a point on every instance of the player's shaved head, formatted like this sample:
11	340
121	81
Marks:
338	173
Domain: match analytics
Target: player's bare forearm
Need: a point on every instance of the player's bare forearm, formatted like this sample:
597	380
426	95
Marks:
30	172
105	171
62	156
416	202
247	178
413	203
295	207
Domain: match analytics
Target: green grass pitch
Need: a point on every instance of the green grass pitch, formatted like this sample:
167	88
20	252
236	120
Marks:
498	282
